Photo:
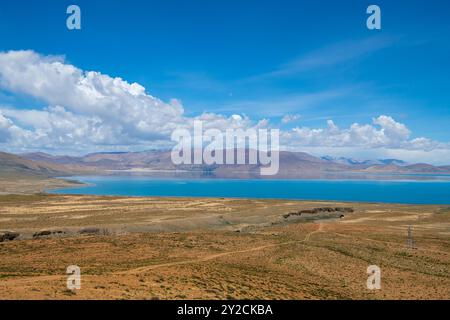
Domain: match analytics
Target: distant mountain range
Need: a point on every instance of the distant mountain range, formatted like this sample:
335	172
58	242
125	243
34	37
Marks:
12	165
351	161
292	165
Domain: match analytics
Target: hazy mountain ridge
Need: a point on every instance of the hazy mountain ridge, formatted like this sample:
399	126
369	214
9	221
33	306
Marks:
11	164
292	164
15	165
352	161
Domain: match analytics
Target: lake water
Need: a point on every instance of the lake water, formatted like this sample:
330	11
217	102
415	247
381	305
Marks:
413	192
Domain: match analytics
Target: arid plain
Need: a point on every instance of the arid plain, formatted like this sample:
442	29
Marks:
180	248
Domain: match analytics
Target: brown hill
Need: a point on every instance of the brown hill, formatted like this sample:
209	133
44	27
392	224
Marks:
18	166
292	165
15	165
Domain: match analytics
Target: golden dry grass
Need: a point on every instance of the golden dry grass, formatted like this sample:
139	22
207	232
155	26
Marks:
189	249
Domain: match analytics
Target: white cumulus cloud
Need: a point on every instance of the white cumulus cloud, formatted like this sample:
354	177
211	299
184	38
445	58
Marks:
87	110
384	132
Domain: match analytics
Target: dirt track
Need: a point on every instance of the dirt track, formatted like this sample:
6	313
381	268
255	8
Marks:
268	258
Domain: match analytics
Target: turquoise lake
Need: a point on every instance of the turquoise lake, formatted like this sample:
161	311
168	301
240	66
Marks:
413	192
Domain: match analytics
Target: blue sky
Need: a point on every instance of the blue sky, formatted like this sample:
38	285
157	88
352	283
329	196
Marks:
312	60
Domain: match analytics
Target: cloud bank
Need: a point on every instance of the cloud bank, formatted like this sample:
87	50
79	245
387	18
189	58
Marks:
84	111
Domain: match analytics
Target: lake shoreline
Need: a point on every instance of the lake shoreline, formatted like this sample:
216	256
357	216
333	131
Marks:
368	191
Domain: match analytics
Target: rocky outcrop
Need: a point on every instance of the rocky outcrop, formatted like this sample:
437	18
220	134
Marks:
47	233
8	235
319	210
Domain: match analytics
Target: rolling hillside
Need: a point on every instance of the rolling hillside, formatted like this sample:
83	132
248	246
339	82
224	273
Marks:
20	166
292	165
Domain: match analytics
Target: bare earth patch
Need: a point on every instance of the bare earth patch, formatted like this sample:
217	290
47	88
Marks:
146	248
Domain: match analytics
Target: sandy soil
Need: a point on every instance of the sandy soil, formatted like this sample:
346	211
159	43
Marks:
163	248
31	185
